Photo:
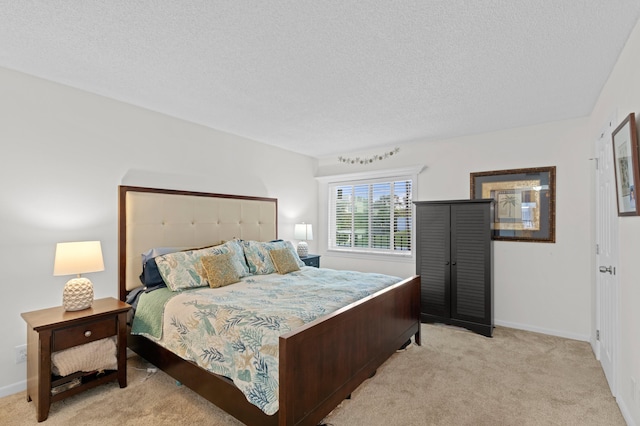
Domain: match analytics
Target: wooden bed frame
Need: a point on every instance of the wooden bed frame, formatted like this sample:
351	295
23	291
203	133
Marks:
321	363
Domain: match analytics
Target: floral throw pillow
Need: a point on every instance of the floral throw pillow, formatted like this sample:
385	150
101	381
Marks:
237	256
258	258
183	270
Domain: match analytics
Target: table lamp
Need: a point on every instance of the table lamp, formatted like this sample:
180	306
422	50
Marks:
74	259
303	232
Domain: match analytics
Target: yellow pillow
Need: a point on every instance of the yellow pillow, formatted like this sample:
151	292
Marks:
219	270
284	261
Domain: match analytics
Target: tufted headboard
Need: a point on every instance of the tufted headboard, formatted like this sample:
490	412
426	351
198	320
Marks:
149	218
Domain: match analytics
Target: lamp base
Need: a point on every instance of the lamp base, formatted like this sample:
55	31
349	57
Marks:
77	294
303	249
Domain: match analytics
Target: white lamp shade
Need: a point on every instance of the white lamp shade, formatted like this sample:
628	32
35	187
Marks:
303	231
78	258
74	259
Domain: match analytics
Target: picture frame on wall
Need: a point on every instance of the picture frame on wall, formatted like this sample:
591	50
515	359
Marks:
524	202
625	158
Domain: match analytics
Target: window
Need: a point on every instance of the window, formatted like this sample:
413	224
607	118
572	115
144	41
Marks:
371	216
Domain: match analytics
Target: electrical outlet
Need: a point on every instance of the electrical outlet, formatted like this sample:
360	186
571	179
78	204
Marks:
21	354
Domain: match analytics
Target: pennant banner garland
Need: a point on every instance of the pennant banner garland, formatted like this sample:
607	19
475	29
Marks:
367	160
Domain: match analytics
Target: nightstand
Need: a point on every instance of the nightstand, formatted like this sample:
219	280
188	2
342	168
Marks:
311	260
54	329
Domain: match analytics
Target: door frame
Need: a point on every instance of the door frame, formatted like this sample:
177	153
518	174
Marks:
600	304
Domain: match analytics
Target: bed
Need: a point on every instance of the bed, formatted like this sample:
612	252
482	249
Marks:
320	362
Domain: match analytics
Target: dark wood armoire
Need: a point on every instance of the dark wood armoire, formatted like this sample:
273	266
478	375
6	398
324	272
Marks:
454	261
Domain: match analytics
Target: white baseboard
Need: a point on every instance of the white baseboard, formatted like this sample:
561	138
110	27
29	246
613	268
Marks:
625	412
14	388
565	334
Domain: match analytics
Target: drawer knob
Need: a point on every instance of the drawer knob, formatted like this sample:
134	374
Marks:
87	333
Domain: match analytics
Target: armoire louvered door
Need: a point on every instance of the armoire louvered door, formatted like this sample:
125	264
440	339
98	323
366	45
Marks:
454	261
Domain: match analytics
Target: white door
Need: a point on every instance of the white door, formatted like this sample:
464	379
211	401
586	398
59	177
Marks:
606	258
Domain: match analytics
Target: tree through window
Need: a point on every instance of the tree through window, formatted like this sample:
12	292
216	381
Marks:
372	216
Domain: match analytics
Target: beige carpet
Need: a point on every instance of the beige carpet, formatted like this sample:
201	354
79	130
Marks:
455	378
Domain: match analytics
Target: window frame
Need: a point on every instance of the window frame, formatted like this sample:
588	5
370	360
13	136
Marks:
370	178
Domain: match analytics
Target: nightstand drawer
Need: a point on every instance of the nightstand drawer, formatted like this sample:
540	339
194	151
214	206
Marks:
311	260
83	333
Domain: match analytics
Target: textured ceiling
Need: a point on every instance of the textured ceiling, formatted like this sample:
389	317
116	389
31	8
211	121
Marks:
328	77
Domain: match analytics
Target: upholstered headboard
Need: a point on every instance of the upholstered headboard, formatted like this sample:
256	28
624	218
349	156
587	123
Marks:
150	218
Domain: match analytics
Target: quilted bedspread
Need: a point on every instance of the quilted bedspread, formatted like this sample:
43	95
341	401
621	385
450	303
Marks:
233	331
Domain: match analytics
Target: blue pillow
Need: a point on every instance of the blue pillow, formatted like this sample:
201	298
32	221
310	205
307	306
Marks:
150	276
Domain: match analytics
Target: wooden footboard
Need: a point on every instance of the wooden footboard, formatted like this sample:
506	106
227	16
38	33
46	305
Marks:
321	363
324	361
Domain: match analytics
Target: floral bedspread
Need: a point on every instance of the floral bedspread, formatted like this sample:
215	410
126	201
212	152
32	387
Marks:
233	331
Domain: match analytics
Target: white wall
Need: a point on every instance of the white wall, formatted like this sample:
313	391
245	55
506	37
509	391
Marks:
538	286
64	154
